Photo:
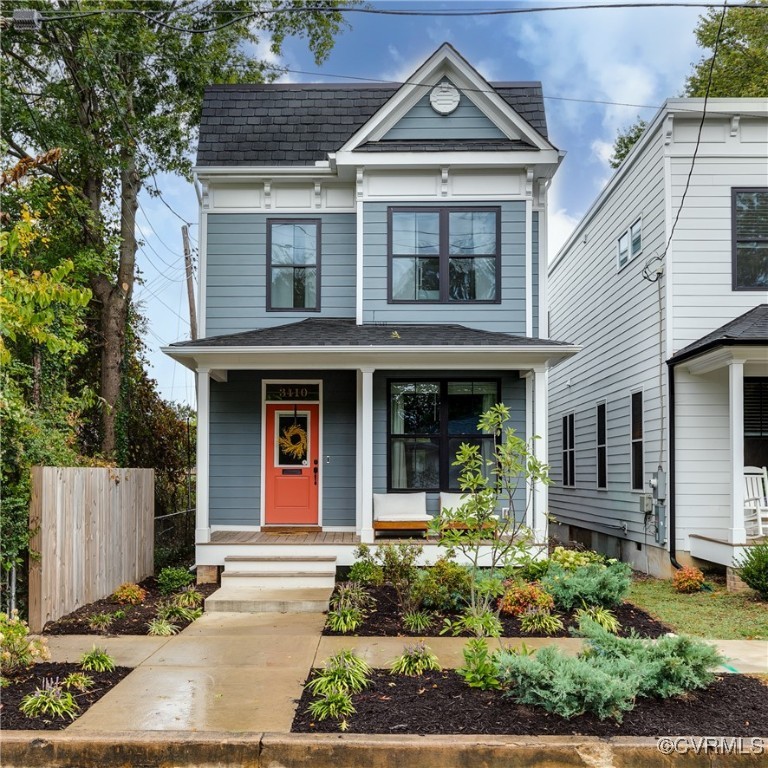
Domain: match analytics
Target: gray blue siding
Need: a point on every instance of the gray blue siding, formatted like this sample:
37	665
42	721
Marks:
508	316
465	122
236	450
236	273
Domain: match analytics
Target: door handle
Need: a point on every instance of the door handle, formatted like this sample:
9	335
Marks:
315	473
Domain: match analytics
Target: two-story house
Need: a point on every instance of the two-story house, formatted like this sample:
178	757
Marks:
373	277
664	283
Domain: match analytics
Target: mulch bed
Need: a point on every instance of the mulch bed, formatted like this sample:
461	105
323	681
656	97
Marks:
441	703
26	681
384	621
133	623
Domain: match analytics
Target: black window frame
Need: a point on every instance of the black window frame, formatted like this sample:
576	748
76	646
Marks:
444	256
601	446
318	261
636	441
569	450
735	239
443	436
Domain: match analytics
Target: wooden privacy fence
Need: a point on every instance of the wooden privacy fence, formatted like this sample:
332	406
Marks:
94	530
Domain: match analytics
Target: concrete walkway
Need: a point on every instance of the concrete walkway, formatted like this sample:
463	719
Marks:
243	672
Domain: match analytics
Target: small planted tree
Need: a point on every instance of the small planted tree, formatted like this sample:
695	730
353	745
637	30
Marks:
488	540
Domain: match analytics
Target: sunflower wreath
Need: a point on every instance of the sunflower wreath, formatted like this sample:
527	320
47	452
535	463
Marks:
293	443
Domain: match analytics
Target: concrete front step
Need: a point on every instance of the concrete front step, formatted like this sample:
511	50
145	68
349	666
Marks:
280	579
249	599
287	564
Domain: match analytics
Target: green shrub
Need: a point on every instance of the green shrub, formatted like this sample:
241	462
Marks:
97	660
532	570
752	568
415	661
398	567
540	621
50	701
566	686
365	570
17	649
480	669
129	593
522	598
172	579
571	559
594	584
444	587
687	580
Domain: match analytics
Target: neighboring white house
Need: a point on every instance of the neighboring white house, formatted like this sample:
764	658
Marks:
664	284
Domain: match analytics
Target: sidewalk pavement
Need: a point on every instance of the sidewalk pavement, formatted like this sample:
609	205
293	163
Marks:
241	672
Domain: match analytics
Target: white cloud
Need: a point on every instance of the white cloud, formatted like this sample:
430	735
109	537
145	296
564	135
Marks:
560	226
603	150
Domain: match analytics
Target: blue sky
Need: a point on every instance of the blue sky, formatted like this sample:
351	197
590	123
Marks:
592	64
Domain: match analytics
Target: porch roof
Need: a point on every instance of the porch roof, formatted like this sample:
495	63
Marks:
341	343
749	329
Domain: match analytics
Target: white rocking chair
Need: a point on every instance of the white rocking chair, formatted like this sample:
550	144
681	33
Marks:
756	501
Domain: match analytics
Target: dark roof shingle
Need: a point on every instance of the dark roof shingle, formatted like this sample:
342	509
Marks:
338	331
299	123
749	328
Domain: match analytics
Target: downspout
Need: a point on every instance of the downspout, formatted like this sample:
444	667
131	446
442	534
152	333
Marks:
671	462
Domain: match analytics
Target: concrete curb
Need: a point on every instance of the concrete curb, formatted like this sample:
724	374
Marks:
162	749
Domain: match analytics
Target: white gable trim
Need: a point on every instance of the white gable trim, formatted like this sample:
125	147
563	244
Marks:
445	62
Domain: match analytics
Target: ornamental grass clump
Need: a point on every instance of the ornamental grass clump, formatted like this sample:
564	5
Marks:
593	584
50	701
343	674
17	649
97	660
539	621
349	605
415	660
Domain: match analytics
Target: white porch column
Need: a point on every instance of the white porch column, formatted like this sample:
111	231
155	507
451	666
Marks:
365	453
737	533
540	493
202	523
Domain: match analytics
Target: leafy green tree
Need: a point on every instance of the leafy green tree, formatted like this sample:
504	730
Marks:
741	67
118	85
740	70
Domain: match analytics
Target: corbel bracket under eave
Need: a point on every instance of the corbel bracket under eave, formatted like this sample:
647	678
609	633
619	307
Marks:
218	375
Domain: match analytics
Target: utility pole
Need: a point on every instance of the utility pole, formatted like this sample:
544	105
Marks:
190	286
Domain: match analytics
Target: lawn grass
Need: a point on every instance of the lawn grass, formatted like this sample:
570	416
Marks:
718	614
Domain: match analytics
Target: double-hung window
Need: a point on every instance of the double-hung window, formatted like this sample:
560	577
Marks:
569	450
444	255
602	447
293	264
749	229
428	420
630	243
637	441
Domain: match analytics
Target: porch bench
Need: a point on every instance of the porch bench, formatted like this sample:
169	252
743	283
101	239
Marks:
455	501
400	512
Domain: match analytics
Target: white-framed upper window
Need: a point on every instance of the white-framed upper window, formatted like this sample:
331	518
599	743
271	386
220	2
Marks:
630	243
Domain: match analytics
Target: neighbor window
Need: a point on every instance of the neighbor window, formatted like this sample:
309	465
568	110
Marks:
444	255
428	421
630	243
602	455
637	441
293	264
756	421
750	239
569	451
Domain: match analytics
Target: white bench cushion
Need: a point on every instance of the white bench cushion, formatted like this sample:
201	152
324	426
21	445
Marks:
397	507
452	500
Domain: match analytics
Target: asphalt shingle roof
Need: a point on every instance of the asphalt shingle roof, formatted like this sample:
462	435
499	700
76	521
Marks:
749	328
299	123
341	332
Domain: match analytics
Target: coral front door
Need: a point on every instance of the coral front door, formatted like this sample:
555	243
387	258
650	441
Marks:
291	464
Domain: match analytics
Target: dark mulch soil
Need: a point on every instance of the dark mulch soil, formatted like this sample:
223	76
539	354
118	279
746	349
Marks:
441	703
133	623
384	621
26	681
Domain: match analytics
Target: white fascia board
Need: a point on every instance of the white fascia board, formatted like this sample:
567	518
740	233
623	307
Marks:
675	107
353	357
234	172
546	160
